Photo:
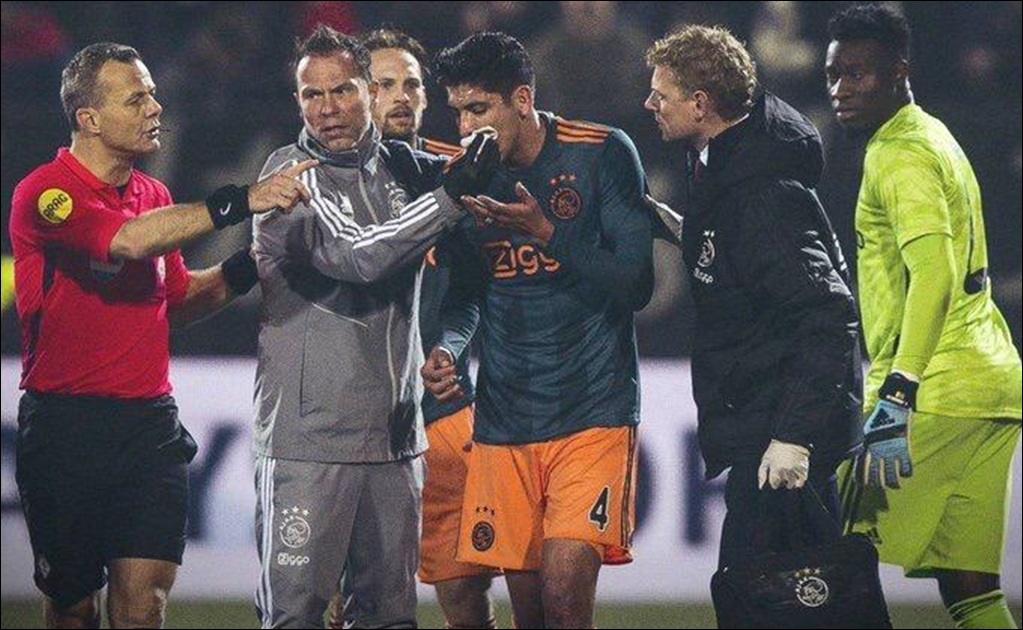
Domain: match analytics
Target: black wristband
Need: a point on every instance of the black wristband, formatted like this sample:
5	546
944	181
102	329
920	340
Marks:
228	206
899	390
240	272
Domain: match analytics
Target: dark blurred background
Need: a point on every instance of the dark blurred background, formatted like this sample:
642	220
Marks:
221	72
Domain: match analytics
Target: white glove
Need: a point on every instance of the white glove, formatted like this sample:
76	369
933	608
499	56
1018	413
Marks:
488	131
784	466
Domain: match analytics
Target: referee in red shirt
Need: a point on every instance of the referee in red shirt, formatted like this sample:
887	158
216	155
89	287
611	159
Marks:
101	456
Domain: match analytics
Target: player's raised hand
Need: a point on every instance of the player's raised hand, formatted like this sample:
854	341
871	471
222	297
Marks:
440	375
282	190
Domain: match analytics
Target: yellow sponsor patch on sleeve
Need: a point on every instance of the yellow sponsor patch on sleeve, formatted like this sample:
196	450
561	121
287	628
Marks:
55	206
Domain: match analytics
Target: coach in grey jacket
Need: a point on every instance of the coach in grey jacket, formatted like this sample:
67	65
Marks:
338	424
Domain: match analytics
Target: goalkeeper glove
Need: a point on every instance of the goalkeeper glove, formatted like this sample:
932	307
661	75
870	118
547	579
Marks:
885	457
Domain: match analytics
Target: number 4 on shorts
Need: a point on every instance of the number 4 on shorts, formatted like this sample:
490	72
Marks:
598	513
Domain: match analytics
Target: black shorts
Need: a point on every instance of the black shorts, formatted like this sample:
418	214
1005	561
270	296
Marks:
100	480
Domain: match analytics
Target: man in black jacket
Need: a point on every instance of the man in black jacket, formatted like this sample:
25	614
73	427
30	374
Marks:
776	366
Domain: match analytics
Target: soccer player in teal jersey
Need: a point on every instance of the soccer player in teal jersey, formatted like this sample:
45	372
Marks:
561	258
944	384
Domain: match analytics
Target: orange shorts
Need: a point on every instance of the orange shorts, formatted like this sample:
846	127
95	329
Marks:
446	468
579	487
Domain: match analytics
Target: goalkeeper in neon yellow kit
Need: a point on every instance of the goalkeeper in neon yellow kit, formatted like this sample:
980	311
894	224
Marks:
943	393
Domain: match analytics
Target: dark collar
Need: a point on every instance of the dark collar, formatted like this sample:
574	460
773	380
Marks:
723	145
362	156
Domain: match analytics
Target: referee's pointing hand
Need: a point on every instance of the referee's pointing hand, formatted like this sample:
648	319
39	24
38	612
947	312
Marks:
282	190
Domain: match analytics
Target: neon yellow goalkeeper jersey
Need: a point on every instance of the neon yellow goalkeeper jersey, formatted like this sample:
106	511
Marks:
917	181
7	295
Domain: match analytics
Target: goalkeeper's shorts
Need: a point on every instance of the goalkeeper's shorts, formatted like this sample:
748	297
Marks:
950	515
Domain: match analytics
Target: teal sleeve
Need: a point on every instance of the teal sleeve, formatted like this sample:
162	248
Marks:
460	310
932	273
621	265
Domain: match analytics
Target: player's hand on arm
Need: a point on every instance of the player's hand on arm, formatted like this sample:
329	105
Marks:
524	217
671	220
784	466
885	458
440	375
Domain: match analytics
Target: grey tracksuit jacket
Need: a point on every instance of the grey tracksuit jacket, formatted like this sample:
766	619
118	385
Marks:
339	348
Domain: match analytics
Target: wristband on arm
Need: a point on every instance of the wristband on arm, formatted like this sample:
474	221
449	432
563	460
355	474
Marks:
240	272
228	206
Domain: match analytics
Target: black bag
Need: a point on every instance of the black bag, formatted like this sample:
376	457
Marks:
828	584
